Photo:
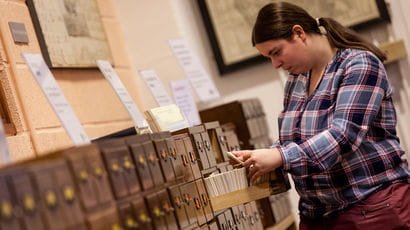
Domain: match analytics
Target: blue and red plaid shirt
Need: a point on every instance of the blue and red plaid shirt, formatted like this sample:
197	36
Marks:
340	144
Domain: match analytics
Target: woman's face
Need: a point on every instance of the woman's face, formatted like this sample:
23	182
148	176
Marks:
292	56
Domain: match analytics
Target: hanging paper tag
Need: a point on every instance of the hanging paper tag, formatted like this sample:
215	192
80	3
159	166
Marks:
56	98
122	93
200	79
155	85
185	101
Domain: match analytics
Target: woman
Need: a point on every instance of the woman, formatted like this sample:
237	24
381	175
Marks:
337	134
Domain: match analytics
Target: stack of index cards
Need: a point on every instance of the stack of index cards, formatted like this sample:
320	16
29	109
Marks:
226	182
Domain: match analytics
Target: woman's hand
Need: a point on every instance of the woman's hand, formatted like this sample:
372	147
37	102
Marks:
260	161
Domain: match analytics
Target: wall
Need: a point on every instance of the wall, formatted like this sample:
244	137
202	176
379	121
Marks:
38	129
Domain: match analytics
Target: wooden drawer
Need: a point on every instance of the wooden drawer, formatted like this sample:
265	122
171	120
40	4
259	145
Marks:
193	201
26	199
153	163
104	219
164	158
156	211
127	216
176	157
206	203
53	194
8	220
169	210
70	203
209	151
221	221
179	206
142	214
196	173
121	169
82	175
98	175
141	161
238	218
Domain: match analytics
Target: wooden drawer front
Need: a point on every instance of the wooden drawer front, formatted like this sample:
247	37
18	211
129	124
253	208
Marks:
169	210
176	157
179	206
230	222
266	216
221	221
165	159
50	196
186	162
104	219
99	176
142	214
188	199
232	141
83	178
156	212
243	216
27	200
130	173
8	220
127	216
208	149
142	166
237	218
115	173
153	163
256	215
206	205
222	142
191	189
70	203
200	151
213	226
192	158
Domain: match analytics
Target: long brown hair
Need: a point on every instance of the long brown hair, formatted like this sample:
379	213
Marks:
276	20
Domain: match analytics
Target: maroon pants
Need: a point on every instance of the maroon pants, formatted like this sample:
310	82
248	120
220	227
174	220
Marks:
387	209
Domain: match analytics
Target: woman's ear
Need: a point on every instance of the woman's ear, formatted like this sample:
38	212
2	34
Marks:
298	32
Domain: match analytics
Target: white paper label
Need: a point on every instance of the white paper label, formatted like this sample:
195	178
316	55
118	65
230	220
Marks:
157	88
56	98
5	157
122	93
185	101
200	79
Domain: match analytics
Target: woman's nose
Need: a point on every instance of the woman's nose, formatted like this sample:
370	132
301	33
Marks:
277	64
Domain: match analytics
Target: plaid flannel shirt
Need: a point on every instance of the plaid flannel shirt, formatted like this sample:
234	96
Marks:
340	144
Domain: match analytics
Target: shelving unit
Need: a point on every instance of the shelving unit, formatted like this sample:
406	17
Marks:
284	224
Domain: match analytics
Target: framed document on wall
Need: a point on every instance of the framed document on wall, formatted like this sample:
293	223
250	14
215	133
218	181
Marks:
229	24
70	32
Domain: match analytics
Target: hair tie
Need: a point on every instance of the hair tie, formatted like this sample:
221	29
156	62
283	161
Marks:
322	29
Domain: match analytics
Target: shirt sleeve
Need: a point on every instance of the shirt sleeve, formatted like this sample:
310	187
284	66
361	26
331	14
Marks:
359	97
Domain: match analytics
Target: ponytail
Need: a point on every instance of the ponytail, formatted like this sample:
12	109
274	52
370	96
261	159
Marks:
342	37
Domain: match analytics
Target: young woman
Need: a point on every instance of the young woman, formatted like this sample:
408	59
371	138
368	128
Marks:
337	134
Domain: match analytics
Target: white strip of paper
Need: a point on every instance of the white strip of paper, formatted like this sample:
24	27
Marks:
200	79
5	157
122	93
56	98
185	101
157	88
